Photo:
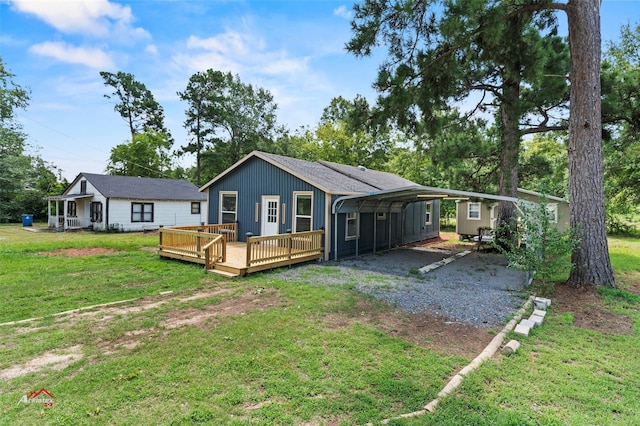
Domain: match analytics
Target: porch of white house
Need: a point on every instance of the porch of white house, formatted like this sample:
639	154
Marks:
63	217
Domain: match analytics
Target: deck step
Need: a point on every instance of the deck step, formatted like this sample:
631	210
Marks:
223	273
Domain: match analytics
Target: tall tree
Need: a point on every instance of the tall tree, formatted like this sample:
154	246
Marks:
204	97
592	265
25	179
135	103
14	165
146	155
228	119
441	52
621	115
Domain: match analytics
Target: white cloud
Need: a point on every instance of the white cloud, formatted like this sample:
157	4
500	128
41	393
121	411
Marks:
99	18
343	12
151	49
239	54
90	57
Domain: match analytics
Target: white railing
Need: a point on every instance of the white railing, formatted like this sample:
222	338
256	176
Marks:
77	222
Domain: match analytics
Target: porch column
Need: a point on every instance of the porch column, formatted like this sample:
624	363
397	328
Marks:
64	214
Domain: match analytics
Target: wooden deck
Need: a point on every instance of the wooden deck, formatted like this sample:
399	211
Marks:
232	258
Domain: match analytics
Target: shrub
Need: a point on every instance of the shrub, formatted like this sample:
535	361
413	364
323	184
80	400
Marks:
540	247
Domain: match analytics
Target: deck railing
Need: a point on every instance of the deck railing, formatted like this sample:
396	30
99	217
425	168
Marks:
283	247
228	229
215	251
202	246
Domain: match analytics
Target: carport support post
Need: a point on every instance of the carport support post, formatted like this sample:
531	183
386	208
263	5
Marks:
389	225
375	227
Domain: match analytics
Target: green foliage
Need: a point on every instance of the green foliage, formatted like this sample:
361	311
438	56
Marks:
227	120
541	248
544	164
621	149
500	58
25	180
147	155
135	104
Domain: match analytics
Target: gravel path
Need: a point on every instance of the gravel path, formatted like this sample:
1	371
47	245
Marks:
476	289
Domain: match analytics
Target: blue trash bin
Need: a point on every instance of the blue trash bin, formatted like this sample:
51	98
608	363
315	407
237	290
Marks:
27	220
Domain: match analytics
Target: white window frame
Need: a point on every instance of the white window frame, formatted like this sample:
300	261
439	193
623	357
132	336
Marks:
352	216
428	211
471	203
222	212
295	210
552	211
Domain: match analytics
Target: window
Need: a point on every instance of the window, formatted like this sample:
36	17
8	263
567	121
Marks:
352	226
302	216
71	208
83	186
552	211
473	211
427	213
96	211
195	207
228	207
141	212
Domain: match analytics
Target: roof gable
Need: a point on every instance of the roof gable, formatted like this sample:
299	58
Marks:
332	178
142	188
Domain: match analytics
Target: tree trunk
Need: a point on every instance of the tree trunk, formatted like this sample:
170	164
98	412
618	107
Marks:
510	124
592	266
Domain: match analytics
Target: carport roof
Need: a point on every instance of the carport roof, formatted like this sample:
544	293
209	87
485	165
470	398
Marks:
412	194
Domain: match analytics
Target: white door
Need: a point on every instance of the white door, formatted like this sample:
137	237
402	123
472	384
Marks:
270	209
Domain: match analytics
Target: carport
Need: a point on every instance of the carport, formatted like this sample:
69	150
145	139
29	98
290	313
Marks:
396	201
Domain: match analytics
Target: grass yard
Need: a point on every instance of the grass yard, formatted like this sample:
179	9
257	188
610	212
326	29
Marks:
260	350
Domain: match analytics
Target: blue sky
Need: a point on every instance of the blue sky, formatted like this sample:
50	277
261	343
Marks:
294	49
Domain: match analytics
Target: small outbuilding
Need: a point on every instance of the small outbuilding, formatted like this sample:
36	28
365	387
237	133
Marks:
126	203
478	212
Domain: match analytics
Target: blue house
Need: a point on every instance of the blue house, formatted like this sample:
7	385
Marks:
360	210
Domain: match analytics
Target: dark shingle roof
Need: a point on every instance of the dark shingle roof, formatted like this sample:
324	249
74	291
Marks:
142	188
339	178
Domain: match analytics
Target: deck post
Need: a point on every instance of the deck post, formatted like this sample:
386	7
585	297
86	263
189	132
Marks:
249	235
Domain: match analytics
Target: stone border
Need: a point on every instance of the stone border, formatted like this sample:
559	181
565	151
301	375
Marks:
487	353
436	265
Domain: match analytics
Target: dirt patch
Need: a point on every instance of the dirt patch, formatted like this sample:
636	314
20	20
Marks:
589	311
447	241
77	252
56	360
431	331
250	301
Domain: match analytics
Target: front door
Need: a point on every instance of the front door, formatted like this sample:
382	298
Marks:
270	209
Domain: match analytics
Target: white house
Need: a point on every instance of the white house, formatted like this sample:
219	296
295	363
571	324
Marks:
126	203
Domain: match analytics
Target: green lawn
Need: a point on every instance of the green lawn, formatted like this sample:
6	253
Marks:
266	351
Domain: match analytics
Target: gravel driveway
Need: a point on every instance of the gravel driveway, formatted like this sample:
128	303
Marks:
475	289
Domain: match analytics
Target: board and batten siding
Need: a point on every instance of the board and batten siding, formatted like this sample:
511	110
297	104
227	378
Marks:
411	230
257	178
165	213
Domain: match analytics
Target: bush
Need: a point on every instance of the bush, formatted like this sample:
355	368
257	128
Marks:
540	247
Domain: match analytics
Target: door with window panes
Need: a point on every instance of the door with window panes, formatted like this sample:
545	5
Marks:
270	215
